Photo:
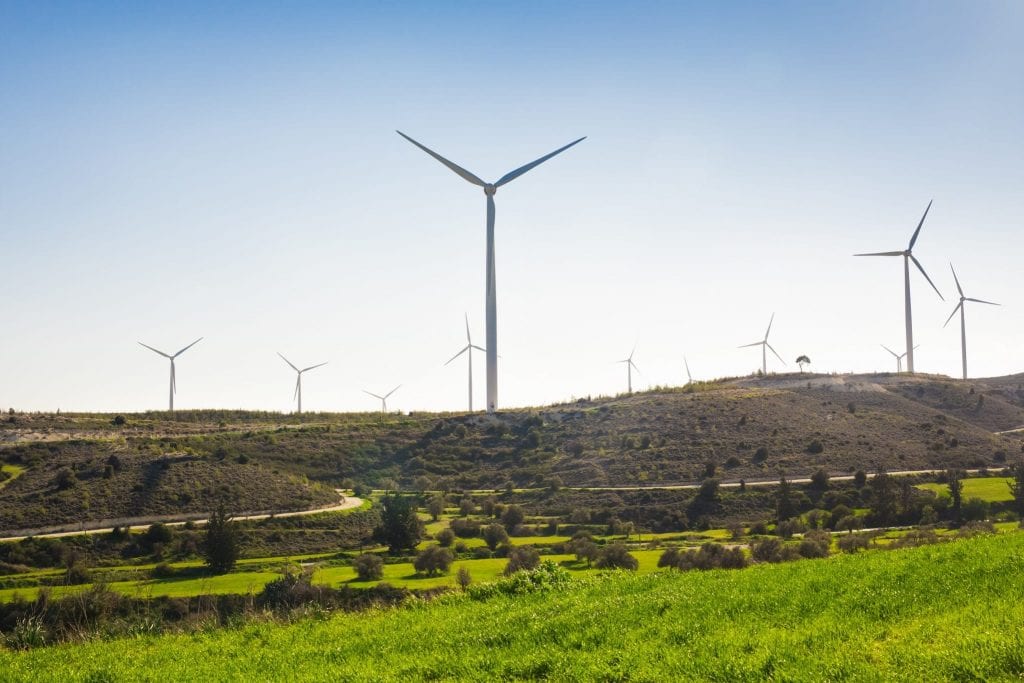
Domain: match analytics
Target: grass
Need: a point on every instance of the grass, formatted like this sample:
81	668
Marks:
989	489
13	472
947	612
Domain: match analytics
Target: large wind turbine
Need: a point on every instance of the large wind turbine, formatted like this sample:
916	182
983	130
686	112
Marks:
908	256
630	367
898	357
468	350
764	348
298	378
963	325
383	399
492	305
174	384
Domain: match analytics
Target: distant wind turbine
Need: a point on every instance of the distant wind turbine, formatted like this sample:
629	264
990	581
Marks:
491	285
764	348
383	399
630	367
963	326
898	356
468	350
908	256
174	384
298	378
689	377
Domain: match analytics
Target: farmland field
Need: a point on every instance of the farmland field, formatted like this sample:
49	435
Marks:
945	612
989	489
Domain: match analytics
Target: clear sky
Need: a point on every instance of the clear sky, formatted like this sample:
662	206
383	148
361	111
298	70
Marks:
176	171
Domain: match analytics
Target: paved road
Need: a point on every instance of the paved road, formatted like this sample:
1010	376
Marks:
347	503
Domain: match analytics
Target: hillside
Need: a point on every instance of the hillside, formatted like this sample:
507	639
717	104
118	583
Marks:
750	428
941	612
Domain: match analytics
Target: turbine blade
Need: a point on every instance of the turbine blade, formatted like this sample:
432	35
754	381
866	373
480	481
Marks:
768	331
174	378
979	301
480	348
956	280
468	339
296	394
773	351
749	345
957	308
464	349
314	367
373	394
921	268
508	177
918	231
632	352
392	391
889	350
466	175
288	362
154	350
635	367
883	253
688	375
188	347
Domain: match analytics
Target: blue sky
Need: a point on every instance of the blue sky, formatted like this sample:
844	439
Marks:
181	171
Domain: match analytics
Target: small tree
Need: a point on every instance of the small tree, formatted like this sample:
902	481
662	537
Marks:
616	556
522	557
512	517
433	560
802	361
221	543
954	479
445	537
399	528
494	535
1017	490
369	567
463	578
785	507
585	549
435	506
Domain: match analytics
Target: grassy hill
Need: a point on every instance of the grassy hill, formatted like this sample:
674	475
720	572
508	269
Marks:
946	612
749	428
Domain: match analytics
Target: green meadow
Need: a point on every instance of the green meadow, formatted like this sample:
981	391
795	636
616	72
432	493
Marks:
989	489
942	612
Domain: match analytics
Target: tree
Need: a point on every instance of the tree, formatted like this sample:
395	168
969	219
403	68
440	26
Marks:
463	578
522	557
221	543
433	560
785	507
435	506
445	537
802	361
585	549
1017	490
399	528
616	556
369	567
883	504
512	517
954	479
860	478
421	484
466	507
819	480
494	535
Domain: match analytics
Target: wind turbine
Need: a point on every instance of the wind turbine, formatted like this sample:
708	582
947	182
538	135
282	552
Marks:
908	256
491	284
298	378
898	357
963	325
468	350
764	348
174	384
689	377
630	367
383	399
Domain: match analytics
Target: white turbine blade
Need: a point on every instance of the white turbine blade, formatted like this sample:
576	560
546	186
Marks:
921	268
918	231
174	378
464	349
314	367
688	375
288	362
480	348
468	339
768	331
956	280
392	391
635	367
154	350
773	351
508	177
463	173
373	394
979	301
188	347
632	352
952	313
296	394
749	345
883	253
890	350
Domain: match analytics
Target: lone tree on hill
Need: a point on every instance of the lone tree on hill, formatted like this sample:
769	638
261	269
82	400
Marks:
802	361
399	526
221	543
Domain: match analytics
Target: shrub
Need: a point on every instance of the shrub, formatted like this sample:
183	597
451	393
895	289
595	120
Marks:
616	556
65	479
163	571
520	558
851	543
435	506
466	507
463	578
512	516
815	543
669	558
547	576
445	538
465	528
494	535
292	589
815	447
433	560
369	567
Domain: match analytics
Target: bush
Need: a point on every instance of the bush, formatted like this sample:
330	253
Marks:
163	571
512	516
815	543
465	528
616	556
851	543
433	560
369	567
292	589
463	578
547	576
494	535
520	558
445	538
815	447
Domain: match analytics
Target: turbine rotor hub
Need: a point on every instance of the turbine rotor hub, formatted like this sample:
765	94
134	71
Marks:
490	189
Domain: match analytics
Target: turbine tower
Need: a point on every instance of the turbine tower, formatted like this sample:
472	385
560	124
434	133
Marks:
298	378
468	350
764	348
383	399
898	357
491	284
908	256
963	325
174	384
630	367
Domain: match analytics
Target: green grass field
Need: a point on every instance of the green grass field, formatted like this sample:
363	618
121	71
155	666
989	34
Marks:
13	472
990	489
947	612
